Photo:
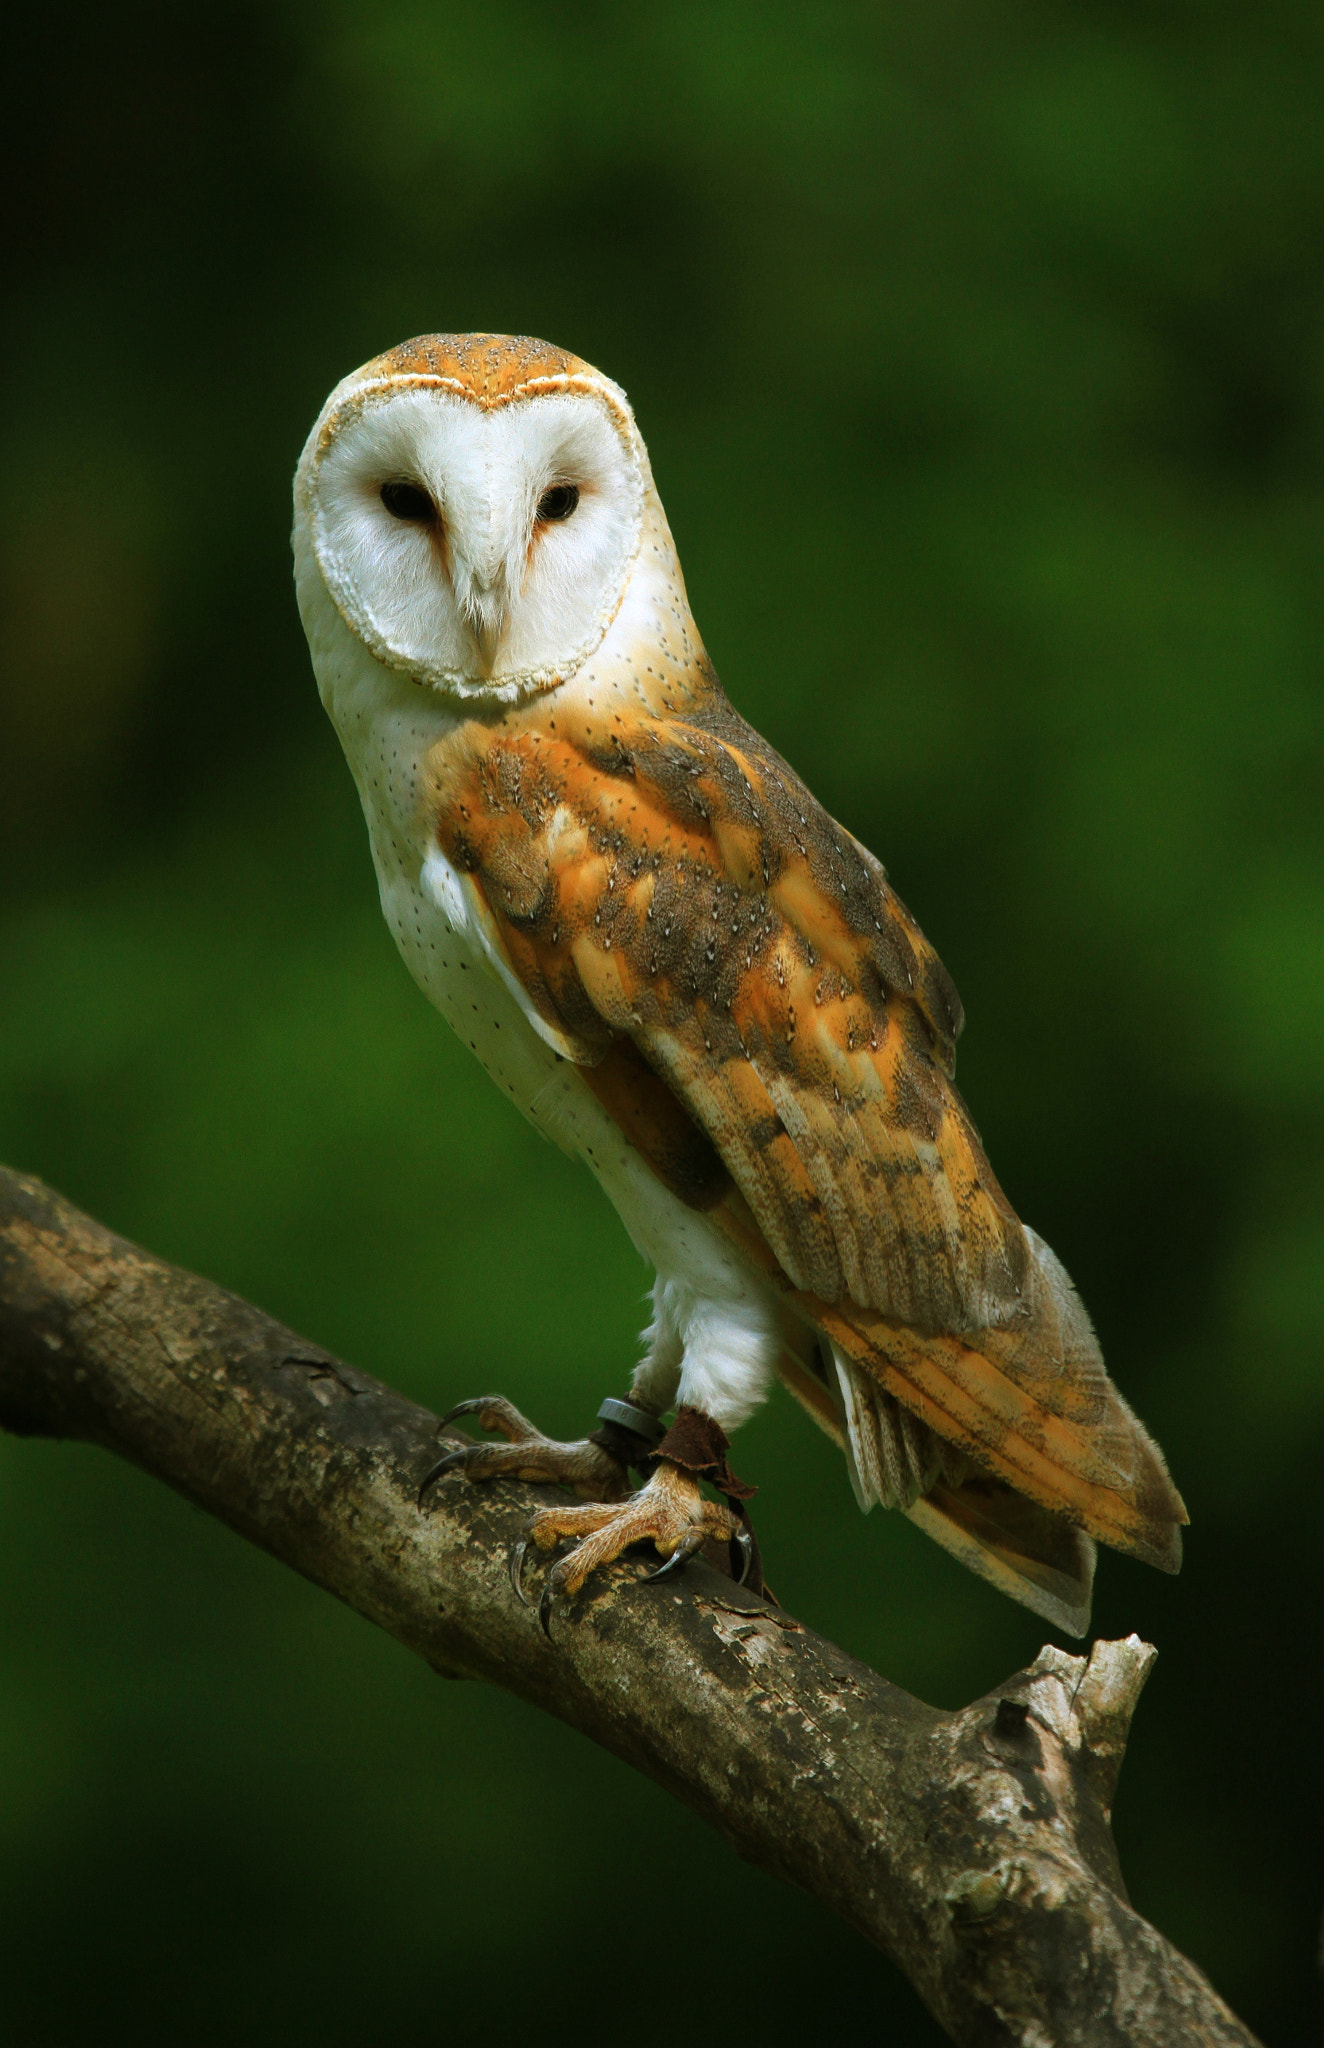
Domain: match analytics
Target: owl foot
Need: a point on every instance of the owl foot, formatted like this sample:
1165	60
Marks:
670	1512
585	1467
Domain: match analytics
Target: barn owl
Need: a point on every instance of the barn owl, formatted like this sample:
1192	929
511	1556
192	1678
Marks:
690	977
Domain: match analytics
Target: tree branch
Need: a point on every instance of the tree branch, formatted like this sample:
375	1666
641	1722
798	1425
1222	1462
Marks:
973	1847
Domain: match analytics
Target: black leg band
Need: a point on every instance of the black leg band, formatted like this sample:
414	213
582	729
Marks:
637	1420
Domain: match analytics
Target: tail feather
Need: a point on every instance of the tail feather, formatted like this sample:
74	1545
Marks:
1010	1446
1032	1555
1030	1403
1111	1482
1029	1553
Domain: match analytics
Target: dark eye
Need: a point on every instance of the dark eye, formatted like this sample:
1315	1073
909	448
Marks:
409	501
558	502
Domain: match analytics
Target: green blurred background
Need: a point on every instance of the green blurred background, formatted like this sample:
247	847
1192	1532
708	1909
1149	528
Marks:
980	352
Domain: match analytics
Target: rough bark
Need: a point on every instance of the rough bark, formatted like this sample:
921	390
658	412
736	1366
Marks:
974	1847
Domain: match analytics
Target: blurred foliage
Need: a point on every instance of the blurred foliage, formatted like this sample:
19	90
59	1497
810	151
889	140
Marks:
980	352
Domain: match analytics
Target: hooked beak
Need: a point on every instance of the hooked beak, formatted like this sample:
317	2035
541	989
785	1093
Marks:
485	608
489	635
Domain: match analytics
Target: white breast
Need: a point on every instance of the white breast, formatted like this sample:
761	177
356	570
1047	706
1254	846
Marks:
718	1327
426	911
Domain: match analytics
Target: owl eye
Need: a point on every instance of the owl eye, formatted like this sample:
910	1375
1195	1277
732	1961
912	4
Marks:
558	502
408	501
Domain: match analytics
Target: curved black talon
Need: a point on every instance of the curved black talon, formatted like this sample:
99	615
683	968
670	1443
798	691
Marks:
746	1543
517	1557
470	1407
442	1466
545	1607
691	1541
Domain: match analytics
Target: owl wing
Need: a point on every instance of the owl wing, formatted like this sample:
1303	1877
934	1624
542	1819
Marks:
759	1012
670	882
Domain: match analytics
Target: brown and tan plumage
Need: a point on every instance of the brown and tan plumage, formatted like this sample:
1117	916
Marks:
721	976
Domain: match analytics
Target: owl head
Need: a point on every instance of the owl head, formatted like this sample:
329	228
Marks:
473	504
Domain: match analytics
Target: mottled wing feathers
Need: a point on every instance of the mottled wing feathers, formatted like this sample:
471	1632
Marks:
666	878
1029	1405
980	1395
762	1017
1035	1554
